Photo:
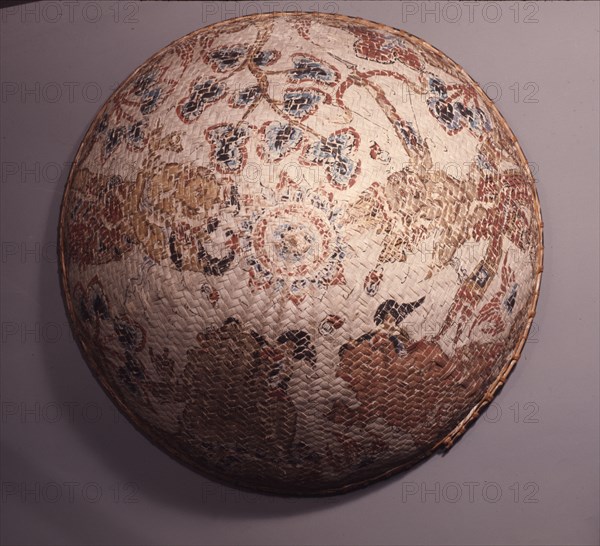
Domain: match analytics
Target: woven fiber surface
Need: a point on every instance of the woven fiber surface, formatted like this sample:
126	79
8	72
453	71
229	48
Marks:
300	252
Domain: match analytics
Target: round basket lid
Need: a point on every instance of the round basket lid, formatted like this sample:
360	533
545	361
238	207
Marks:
300	251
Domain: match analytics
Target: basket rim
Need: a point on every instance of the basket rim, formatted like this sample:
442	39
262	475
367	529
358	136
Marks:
161	442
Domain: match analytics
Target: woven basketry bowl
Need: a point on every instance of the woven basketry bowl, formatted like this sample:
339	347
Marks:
300	252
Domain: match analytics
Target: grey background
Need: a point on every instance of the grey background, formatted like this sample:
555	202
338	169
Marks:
74	472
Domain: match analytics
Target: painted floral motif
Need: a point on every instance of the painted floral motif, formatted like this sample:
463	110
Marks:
99	229
310	69
147	87
412	140
145	93
372	281
228	146
383	47
513	219
133	135
202	94
492	317
454	114
381	361
210	293
266	58
334	152
91	304
372	366
210	245
415	216
226	59
245	97
295	248
111	136
128	338
378	153
185	50
329	324
493	224
263	369
303	102
132	338
131	107
279	139
370	211
302	27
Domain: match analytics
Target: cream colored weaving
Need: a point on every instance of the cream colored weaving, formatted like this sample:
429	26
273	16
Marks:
300	251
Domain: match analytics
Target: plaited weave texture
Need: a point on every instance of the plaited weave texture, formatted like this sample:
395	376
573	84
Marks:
300	251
